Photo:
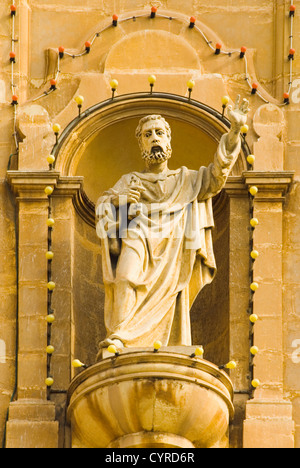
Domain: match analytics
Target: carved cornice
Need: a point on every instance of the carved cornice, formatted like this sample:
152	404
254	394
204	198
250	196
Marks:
272	186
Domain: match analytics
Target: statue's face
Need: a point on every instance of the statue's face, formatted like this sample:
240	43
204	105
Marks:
154	137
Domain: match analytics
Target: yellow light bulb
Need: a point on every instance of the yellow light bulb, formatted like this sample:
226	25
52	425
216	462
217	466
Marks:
244	129
251	159
112	349
199	351
49	255
49	190
231	365
253	190
225	100
254	254
50	349
254	286
51	159
254	350
56	128
49	381
191	84
50	222
253	318
76	363
114	84
255	383
254	222
79	100
50	318
157	345
51	285
152	79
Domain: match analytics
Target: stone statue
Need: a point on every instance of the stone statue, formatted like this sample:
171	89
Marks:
156	237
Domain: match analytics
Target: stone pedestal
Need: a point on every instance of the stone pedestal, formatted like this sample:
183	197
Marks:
143	398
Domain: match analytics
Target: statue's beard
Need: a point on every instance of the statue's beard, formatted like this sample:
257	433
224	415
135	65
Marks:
157	155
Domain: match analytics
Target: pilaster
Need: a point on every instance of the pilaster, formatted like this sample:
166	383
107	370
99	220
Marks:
268	421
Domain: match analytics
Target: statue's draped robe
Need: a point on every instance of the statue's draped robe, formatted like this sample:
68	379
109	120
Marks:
173	246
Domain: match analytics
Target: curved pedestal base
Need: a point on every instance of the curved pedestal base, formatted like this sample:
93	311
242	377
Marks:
143	399
151	440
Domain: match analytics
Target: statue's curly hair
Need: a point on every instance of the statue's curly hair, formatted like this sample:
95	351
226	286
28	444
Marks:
138	132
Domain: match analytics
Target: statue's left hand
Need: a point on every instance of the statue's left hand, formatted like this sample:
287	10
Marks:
238	114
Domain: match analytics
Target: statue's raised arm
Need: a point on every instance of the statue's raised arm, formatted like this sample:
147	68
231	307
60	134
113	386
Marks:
238	118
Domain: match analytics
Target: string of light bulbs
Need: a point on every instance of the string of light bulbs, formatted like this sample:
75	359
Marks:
50	317
217	49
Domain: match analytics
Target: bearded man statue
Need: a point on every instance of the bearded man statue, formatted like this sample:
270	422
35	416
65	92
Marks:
155	228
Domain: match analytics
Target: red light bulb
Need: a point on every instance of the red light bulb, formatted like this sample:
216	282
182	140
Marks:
61	51
53	84
254	88
292	10
243	51
153	12
14	100
13	10
87	46
291	54
192	21
218	48
115	20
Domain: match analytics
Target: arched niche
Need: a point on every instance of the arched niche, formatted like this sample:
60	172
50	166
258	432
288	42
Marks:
100	147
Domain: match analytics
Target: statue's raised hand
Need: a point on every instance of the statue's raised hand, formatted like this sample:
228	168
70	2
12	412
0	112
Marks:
238	114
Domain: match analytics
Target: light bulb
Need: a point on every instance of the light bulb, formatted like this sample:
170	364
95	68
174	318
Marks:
253	190
157	345
152	79
254	350
77	364
199	351
254	222
254	286
51	159
225	100
49	255
50	349
79	100
231	365
253	318
244	129
254	254
49	381
50	318
51	285
112	349
56	128
114	84
251	159
50	222
255	383
48	190
191	84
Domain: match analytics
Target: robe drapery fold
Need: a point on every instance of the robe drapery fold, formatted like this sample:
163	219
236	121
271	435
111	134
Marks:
168	237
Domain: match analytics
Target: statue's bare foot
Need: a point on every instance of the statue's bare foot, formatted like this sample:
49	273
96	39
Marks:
108	341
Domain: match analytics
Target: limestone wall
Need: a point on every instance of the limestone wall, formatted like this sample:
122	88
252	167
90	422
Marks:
129	53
